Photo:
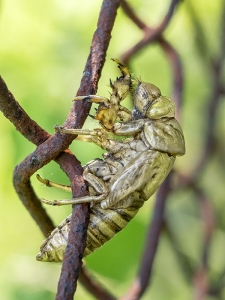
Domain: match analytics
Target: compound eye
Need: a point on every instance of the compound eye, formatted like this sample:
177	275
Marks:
144	95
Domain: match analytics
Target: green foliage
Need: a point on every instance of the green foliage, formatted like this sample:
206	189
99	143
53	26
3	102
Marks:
44	47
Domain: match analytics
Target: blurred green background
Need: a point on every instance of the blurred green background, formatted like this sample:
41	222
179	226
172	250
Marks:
43	49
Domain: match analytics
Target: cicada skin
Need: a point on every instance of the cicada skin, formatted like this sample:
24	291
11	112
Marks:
131	170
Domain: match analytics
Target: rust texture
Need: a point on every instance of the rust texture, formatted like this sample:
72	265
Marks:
55	148
77	236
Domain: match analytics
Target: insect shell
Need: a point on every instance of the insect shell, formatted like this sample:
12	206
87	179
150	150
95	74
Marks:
131	170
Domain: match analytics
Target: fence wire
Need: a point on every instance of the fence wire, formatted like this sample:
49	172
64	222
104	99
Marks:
55	147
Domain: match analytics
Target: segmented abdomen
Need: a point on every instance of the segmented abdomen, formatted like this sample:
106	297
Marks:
103	225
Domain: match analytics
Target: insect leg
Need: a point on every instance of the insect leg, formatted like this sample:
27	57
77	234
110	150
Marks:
124	114
92	99
79	131
80	200
129	128
123	68
53	184
97	136
95	182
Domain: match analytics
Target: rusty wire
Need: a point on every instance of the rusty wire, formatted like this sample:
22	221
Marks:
72	258
55	148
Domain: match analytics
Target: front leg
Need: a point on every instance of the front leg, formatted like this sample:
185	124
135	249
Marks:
80	131
130	128
123	114
98	136
93	99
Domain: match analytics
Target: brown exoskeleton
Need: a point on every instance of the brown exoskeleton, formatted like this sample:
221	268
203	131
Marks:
132	169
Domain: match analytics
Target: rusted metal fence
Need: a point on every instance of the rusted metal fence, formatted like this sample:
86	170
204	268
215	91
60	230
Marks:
55	148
